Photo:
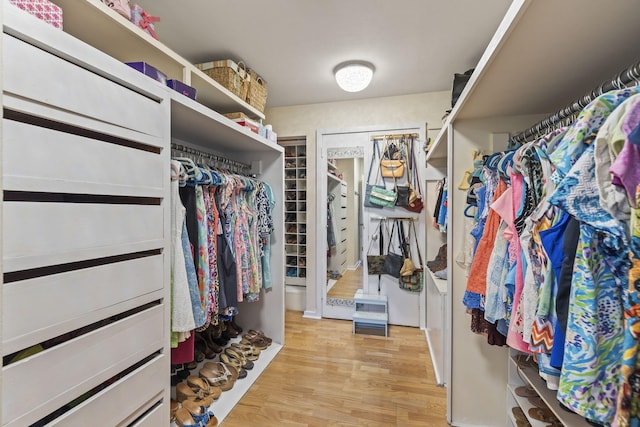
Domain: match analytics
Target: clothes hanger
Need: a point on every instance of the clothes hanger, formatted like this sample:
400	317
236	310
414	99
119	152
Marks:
193	171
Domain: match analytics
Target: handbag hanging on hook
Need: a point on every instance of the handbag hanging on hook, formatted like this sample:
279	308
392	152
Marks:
392	165
416	203
413	282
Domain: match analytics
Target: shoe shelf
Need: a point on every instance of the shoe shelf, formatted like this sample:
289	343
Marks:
527	375
295	226
440	284
228	399
371	314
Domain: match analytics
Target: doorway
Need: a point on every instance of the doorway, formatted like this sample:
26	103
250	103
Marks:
342	167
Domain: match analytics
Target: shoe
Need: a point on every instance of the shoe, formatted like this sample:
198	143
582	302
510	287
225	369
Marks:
543	414
184	393
235	357
440	262
201	345
249	351
441	274
235	326
203	388
219	375
200	414
257	339
174	405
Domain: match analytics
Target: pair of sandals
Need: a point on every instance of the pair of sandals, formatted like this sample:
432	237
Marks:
235	357
257	339
197	390
219	375
539	412
192	414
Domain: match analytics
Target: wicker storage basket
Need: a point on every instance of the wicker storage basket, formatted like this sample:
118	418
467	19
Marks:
232	76
257	95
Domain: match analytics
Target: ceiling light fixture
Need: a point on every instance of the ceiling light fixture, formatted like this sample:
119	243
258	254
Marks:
353	76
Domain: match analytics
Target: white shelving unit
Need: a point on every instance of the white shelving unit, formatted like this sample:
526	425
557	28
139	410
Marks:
295	214
532	67
110	32
132	121
337	262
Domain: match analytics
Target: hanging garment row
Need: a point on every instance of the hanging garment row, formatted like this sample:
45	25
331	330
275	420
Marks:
555	255
221	228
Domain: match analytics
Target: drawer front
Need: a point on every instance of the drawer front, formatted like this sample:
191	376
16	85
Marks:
40	384
131	394
39	159
45	307
157	417
40	234
90	94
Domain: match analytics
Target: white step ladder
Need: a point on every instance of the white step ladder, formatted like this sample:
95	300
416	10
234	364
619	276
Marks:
371	315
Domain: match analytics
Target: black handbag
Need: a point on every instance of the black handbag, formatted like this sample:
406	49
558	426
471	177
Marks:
393	261
369	187
402	195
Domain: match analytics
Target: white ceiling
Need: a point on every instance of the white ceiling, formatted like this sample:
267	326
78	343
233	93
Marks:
415	45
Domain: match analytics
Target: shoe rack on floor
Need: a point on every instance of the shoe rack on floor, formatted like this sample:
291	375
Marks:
295	215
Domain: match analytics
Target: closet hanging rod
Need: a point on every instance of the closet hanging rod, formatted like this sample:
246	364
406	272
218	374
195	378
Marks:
223	161
623	79
395	136
404	218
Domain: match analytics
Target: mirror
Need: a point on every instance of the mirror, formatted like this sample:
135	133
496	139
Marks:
344	228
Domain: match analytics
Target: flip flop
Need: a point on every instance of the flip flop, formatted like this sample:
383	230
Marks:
543	414
537	401
526	391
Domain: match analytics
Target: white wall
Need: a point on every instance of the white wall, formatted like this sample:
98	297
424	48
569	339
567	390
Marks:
305	120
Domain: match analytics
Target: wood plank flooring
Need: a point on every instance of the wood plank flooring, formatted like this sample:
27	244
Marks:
347	285
327	376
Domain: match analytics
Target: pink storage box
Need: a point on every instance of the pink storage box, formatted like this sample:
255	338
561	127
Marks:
42	9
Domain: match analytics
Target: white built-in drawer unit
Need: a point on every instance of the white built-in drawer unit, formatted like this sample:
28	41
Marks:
85	224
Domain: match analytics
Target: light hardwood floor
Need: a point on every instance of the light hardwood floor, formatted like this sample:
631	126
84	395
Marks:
326	376
347	285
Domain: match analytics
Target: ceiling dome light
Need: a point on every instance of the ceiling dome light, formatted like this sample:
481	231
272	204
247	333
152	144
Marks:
353	76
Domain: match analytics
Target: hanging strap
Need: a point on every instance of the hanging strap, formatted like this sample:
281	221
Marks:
415	236
380	237
376	154
381	243
373	157
416	178
406	252
393	230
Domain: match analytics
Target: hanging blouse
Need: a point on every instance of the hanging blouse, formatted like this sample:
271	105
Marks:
182	319
608	145
265	202
593	350
202	253
584	130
